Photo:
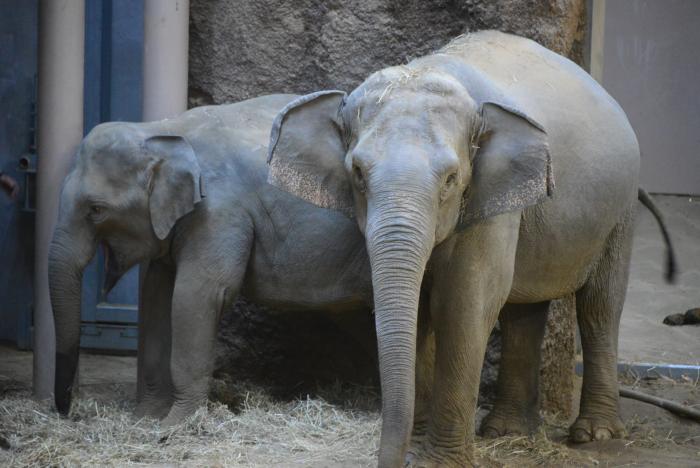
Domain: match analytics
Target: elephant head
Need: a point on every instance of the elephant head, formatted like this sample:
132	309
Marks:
127	188
414	158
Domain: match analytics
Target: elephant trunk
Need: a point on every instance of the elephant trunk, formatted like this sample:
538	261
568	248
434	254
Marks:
399	240
69	253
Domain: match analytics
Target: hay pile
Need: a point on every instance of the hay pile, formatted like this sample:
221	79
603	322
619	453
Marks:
262	432
338	426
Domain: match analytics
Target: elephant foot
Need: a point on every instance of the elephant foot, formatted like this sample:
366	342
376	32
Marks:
587	429
178	413
498	424
171	420
427	456
151	408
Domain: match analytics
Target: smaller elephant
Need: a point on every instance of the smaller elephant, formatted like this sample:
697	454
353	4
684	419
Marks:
189	196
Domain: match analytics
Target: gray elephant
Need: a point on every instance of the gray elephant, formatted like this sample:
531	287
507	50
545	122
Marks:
189	195
448	164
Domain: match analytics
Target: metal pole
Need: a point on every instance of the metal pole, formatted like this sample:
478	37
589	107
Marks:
165	57
60	130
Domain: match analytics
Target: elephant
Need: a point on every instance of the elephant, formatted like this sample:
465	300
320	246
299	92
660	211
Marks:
448	166
189	197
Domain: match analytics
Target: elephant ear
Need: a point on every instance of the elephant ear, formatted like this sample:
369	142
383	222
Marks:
511	168
174	183
307	151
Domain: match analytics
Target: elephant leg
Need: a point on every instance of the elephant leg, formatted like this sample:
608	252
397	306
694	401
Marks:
598	307
425	365
154	384
201	292
516	409
472	276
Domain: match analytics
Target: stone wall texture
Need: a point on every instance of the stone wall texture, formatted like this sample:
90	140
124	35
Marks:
243	48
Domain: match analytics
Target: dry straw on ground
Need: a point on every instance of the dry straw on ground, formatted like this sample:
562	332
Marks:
338	427
304	432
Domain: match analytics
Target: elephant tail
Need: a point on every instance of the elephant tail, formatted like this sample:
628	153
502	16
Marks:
671	264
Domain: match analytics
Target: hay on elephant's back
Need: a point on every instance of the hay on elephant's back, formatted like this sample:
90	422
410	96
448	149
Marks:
264	432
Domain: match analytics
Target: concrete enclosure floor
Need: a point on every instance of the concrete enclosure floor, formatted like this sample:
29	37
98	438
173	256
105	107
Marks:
643	336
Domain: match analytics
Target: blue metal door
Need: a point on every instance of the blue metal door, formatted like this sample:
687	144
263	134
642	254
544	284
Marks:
113	92
18	45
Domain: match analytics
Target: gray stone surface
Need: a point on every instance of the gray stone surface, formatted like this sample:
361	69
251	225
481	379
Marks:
558	358
241	49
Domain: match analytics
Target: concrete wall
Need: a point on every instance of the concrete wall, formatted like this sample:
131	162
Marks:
651	65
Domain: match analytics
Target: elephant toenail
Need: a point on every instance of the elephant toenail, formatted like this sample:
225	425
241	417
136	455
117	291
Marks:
580	435
490	433
603	434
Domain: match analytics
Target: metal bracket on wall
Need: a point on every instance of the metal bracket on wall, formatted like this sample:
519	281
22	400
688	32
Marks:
27	164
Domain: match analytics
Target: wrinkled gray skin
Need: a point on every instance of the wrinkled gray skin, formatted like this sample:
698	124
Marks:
189	195
448	166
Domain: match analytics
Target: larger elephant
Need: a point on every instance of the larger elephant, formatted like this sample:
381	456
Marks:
189	196
448	164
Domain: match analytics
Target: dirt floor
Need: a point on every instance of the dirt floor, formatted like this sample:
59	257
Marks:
335	427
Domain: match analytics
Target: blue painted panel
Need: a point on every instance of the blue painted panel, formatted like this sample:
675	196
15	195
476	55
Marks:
113	337
126	78
18	43
113	92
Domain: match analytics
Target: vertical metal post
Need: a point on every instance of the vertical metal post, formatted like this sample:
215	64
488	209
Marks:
166	42
60	130
165	59
597	39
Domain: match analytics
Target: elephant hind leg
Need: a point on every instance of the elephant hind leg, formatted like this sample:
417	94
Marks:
598	308
516	409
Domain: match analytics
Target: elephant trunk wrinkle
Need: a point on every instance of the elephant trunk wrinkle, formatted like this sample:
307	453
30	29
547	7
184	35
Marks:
398	242
67	259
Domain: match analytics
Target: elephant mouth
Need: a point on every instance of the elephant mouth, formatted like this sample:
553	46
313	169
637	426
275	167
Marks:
112	269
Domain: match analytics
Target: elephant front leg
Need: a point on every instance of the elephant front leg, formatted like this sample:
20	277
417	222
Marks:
460	347
154	384
471	282
195	314
425	364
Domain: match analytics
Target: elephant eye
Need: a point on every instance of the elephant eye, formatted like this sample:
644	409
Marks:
358	178
450	182
96	212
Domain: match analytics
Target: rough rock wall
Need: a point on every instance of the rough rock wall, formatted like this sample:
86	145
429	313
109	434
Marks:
243	48
558	358
240	49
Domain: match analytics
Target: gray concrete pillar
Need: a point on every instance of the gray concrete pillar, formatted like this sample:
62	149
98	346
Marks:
60	130
165	59
166	39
